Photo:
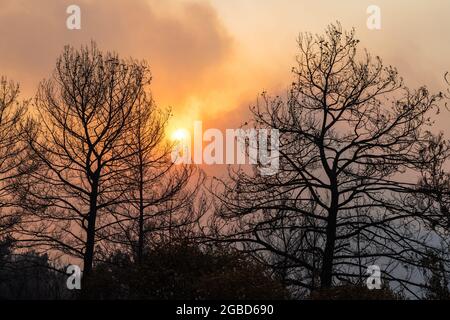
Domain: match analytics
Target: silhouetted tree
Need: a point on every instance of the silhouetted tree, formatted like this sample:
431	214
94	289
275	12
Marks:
432	198
432	202
437	277
12	151
161	199
350	139
28	275
79	143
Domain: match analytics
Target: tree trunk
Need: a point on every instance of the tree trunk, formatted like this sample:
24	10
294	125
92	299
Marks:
141	206
90	241
326	276
141	225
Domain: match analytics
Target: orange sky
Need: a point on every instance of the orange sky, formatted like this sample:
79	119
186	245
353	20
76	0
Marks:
210	59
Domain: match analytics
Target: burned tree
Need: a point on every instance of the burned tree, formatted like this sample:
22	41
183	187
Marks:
79	145
350	137
161	199
12	151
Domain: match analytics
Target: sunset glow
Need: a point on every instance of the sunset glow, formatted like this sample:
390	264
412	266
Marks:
180	135
194	151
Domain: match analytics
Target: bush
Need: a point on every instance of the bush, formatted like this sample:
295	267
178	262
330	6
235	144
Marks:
182	272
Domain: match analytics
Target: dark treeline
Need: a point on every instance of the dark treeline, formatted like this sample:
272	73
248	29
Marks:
86	177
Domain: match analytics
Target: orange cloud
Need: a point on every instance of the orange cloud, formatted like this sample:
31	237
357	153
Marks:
184	42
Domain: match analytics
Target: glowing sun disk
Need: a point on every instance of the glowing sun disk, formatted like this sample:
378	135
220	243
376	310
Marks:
180	135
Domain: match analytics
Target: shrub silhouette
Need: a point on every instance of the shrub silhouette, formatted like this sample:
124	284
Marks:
183	271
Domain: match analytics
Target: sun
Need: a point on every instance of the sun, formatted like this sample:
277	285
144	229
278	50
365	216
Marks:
180	135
